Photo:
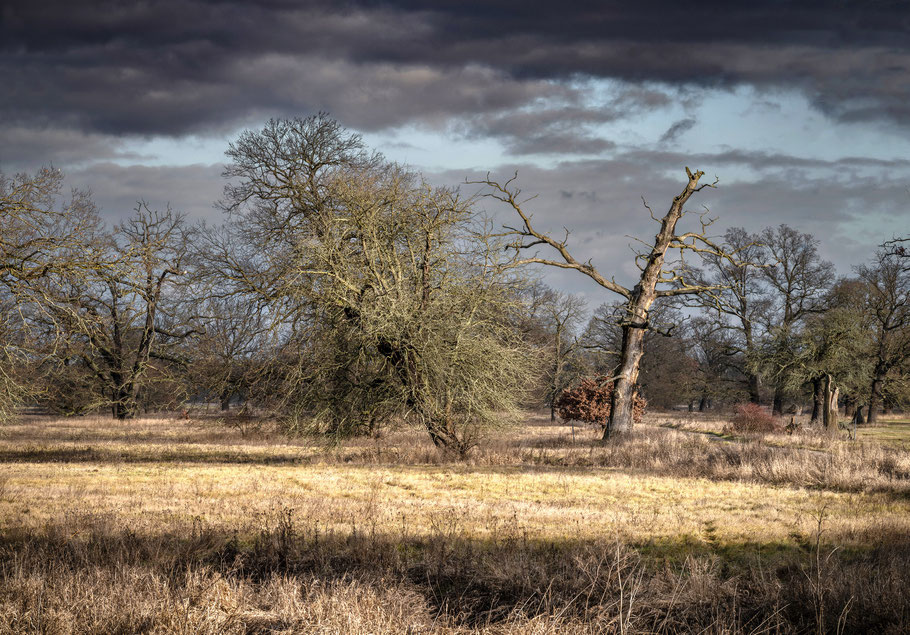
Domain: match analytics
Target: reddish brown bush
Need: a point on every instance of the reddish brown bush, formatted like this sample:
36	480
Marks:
589	402
751	417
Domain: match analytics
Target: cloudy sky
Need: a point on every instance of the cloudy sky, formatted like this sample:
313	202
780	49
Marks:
801	109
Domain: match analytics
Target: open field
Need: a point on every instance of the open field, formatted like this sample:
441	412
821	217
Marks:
172	525
891	431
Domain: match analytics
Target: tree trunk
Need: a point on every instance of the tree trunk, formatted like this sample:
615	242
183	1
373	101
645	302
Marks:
635	321
858	416
225	401
552	412
124	404
124	407
754	388
703	403
438	441
875	399
818	399
633	338
777	407
752	379
830	412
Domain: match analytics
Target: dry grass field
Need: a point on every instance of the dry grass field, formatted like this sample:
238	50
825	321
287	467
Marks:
170	525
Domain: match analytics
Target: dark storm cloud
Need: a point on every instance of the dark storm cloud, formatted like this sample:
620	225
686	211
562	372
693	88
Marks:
26	149
565	130
567	123
176	67
677	129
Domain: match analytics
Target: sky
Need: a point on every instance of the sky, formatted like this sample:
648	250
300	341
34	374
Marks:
800	109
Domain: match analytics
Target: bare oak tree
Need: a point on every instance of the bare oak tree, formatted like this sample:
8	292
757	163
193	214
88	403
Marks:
655	272
36	222
887	281
739	306
110	308
392	285
798	280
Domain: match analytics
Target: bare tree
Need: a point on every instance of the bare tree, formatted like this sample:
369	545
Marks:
562	313
720	362
655	272
739	304
280	201
227	356
393	284
887	282
35	224
110	307
798	281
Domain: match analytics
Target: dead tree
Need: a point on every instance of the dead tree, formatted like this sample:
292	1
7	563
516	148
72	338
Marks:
640	297
829	409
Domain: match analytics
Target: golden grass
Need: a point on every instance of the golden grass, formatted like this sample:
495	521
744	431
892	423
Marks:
222	530
158	470
893	432
548	503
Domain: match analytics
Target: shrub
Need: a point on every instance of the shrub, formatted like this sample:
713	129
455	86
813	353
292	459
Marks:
751	417
589	402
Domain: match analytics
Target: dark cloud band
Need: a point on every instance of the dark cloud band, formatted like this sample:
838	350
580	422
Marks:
176	67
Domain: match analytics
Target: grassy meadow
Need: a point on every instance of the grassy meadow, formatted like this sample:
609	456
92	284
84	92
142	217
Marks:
189	525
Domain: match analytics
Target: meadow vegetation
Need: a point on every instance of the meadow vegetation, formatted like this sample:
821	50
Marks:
166	524
376	347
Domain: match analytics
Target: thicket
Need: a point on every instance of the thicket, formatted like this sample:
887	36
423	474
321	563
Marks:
752	417
590	402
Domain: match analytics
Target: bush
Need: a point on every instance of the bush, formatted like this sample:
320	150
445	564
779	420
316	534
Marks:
590	402
751	417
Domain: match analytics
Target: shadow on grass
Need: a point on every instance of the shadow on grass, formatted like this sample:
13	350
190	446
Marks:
138	454
678	583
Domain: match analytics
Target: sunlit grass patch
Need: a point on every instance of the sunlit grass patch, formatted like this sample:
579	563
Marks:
892	432
548	503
